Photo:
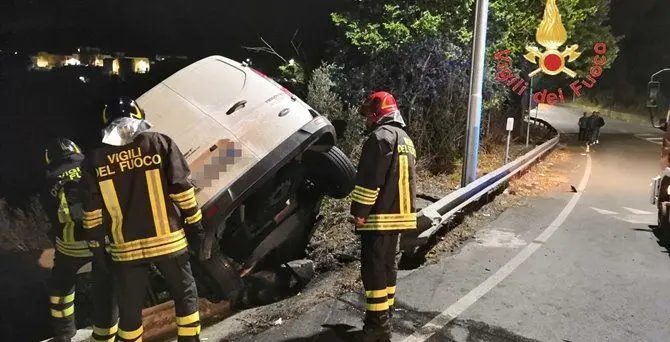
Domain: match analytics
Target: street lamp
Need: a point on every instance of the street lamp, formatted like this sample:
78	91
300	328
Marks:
530	107
469	173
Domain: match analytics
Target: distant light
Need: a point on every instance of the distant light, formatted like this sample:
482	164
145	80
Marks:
98	62
78	50
42	62
72	61
115	66
141	66
16	52
83	79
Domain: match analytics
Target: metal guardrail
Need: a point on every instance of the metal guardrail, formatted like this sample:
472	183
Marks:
433	217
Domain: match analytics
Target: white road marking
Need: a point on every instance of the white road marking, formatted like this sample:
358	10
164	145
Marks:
499	238
604	212
652	138
638	219
453	311
638	211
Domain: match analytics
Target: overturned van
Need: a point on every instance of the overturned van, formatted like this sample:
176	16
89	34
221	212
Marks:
261	161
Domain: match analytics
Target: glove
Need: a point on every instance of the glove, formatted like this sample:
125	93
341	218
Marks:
99	257
357	221
196	236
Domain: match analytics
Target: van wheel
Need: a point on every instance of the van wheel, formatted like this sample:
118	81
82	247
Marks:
332	171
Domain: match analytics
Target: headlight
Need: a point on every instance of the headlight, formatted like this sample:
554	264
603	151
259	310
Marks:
668	190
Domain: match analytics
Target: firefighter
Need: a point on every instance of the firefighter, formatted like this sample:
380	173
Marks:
132	181
383	205
62	202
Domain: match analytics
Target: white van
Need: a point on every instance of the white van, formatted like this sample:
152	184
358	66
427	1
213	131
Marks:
261	160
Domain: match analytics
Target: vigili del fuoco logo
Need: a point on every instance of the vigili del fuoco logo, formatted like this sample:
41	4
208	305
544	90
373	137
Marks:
551	35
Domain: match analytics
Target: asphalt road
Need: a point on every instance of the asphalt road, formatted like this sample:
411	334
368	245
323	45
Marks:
571	267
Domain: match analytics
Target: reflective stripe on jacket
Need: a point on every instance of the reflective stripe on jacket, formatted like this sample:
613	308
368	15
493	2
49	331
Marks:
385	191
62	203
139	194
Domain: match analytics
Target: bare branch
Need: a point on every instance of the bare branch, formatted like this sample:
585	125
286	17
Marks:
266	49
296	48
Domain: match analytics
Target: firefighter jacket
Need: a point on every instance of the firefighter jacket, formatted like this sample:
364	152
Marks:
385	191
140	195
62	202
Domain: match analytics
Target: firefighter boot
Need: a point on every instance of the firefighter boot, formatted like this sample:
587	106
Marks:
62	322
376	328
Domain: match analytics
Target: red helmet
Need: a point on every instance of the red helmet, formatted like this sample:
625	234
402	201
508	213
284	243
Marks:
378	105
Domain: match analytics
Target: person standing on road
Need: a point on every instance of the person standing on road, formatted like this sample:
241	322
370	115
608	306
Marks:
129	182
590	135
665	150
583	128
599	123
383	205
62	202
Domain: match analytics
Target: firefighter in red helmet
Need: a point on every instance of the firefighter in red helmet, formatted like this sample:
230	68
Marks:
383	206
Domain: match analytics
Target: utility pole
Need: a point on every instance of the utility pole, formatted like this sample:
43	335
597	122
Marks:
476	85
530	107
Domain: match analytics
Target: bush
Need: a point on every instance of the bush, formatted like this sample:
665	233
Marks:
428	78
322	97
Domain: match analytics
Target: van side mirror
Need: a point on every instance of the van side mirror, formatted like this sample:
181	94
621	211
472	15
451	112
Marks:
653	89
340	128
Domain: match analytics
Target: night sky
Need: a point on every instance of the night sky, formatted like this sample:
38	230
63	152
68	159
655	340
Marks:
147	27
204	27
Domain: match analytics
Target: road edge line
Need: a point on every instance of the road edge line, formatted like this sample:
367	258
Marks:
456	309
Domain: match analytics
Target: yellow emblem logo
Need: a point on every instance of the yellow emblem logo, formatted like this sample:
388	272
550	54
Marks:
551	35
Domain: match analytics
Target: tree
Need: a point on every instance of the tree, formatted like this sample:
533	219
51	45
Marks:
420	51
399	25
373	28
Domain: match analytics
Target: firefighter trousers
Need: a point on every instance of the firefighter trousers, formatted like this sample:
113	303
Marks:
62	294
133	281
379	272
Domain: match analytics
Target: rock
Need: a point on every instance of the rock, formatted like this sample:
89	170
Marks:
345	257
303	268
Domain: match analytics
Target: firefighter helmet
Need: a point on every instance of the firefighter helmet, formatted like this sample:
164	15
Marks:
122	107
378	105
61	149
